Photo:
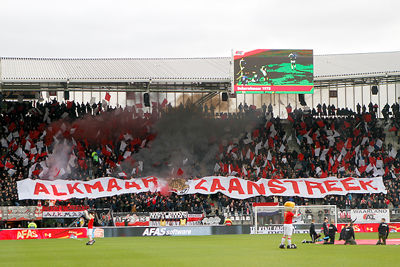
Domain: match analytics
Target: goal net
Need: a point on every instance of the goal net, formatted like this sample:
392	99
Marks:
269	219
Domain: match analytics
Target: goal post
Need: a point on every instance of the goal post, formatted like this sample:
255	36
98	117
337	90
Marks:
269	219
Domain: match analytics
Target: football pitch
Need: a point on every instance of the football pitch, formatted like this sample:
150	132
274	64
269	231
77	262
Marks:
221	250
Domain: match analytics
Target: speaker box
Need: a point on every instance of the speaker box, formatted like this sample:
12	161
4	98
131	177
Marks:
66	95
224	96
302	100
374	90
146	99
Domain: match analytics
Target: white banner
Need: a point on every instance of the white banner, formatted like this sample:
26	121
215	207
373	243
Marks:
231	186
370	215
62	214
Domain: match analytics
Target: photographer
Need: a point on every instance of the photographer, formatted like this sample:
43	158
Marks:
325	228
331	233
383	231
349	238
313	234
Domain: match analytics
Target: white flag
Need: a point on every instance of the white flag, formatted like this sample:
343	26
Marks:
370	149
31	169
369	168
244	170
39	144
323	154
248	154
379	143
4	142
269	156
123	146
127	154
33	150
282	148
252	162
393	153
19	152
216	167
140	166
317	151
364	140
27	146
258	146
9	137
379	163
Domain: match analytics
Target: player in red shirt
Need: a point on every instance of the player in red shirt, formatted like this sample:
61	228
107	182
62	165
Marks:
90	218
288	225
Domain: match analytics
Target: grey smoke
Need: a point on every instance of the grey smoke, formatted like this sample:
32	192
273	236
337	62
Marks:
189	139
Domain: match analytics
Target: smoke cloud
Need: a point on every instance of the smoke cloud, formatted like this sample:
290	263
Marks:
184	138
189	139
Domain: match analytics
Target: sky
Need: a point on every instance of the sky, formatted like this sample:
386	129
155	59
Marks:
185	28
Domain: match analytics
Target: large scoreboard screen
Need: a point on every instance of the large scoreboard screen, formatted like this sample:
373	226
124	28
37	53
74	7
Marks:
273	71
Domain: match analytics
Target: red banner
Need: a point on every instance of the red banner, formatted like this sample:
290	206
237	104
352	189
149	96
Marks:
370	227
45	233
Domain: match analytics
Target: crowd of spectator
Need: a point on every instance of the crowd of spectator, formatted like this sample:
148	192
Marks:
320	142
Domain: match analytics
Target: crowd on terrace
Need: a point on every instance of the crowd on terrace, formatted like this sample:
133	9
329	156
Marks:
321	142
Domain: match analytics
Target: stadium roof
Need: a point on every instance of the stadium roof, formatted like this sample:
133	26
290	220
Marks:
326	67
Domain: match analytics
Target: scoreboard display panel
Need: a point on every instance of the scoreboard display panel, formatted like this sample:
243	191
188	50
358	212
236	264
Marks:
273	71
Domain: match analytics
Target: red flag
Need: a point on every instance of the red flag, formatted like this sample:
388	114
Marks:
349	141
225	168
386	170
12	127
270	142
36	172
324	174
290	118
105	152
393	129
9	165
256	133
107	97
362	168
356	132
320	124
264	174
367	117
164	103
372	160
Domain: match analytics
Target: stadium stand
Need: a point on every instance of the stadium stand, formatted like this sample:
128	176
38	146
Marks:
323	142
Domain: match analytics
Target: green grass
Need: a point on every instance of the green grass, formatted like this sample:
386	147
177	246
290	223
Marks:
282	74
228	250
